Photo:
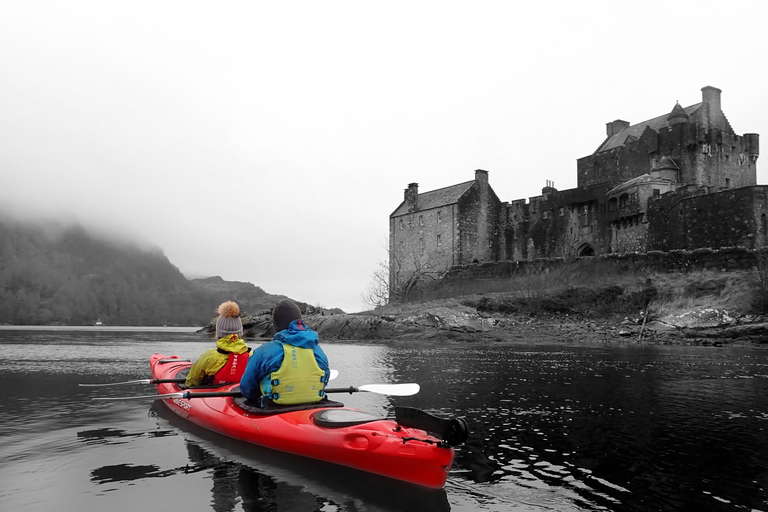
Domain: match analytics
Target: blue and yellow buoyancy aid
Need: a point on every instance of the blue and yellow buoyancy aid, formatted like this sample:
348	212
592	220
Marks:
299	380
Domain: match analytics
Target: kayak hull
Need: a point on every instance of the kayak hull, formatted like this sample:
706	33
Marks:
380	447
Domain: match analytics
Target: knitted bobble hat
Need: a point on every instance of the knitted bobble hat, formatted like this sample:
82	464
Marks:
229	320
285	312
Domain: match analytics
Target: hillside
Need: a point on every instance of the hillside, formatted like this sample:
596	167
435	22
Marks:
249	297
51	275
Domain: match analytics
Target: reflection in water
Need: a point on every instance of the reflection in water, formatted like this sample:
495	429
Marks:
127	472
263	479
606	427
111	435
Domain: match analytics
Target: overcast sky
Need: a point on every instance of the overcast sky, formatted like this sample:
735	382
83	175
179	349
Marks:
269	142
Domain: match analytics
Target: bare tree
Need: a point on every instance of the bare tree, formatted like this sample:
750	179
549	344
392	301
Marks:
377	294
401	277
411	269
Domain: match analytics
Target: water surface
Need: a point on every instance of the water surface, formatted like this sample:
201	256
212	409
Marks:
554	427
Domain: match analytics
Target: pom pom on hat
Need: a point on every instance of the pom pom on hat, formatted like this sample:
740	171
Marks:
229	309
229	321
285	312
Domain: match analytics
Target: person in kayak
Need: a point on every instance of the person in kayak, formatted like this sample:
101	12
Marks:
227	362
290	369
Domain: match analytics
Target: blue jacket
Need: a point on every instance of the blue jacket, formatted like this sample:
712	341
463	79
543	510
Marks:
269	356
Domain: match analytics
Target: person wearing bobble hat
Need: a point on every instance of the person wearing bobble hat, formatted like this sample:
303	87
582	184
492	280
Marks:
290	369
227	362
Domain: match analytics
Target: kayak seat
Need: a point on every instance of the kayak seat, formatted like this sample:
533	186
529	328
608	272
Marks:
270	408
337	418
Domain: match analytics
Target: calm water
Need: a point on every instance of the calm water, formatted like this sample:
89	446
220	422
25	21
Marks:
554	427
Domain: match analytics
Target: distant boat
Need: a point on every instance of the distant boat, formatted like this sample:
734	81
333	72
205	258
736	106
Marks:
98	322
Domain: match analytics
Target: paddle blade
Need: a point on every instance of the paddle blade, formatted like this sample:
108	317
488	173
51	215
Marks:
143	397
333	375
142	381
391	389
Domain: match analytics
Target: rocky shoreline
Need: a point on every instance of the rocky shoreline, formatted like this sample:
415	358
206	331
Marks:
453	321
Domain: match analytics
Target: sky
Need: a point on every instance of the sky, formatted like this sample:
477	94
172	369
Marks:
268	142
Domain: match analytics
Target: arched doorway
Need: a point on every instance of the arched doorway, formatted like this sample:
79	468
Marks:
586	250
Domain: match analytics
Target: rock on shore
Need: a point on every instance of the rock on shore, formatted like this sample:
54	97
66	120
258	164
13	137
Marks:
456	320
452	320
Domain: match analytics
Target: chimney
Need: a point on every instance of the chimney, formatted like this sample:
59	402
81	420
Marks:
549	188
412	196
711	96
481	176
615	127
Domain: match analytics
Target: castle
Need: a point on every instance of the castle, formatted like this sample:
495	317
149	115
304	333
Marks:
683	180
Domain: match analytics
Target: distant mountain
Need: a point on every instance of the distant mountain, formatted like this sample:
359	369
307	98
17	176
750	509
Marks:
250	298
65	276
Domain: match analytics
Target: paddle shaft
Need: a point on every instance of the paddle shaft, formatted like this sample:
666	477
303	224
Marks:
382	389
350	390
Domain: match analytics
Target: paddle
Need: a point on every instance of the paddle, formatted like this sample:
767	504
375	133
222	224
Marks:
140	381
381	389
334	374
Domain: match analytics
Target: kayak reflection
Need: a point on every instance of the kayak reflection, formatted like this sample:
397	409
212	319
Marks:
263	479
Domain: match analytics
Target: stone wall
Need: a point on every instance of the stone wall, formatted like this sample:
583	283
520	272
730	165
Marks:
690	218
479	214
725	259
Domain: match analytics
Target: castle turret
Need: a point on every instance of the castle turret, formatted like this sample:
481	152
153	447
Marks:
677	116
666	169
753	145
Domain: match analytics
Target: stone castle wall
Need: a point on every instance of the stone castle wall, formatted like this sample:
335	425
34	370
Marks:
725	259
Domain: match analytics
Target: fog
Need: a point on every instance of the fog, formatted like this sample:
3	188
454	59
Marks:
269	142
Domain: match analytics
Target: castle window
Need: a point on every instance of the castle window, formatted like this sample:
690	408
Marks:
421	243
544	214
421	220
562	211
402	247
490	243
439	216
439	240
727	182
402	224
623	200
612	204
656	192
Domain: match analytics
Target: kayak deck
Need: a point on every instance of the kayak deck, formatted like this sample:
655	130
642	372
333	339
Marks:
325	431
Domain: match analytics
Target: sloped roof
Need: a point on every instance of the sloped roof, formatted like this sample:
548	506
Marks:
636	130
638	180
678	112
667	162
437	198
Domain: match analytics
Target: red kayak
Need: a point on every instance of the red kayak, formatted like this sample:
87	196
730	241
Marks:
417	447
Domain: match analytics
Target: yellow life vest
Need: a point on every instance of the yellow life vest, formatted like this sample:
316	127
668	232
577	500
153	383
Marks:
299	380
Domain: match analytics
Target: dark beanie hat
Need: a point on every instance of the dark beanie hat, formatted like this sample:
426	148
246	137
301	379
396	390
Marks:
285	312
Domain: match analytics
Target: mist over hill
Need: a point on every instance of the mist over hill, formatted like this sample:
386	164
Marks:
55	275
